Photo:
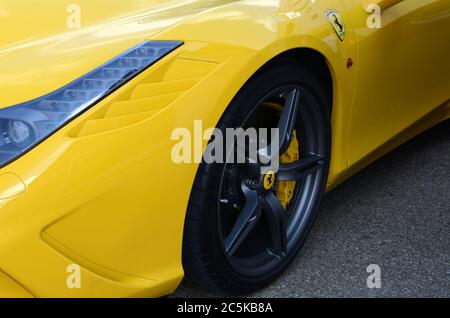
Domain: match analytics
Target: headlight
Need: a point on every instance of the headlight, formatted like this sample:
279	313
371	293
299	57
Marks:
25	125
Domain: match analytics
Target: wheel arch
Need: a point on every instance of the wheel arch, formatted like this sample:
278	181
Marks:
315	62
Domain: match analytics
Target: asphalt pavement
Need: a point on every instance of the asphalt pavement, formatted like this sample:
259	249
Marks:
395	214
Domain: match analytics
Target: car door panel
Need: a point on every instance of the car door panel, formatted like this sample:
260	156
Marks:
402	69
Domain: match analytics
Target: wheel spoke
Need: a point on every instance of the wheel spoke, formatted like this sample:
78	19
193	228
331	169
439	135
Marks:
300	169
287	120
246	221
285	126
274	212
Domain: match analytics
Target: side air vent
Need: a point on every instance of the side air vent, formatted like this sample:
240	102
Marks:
148	98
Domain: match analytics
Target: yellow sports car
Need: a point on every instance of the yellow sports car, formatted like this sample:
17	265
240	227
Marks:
105	106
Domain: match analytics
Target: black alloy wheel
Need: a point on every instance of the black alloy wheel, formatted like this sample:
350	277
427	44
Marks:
241	232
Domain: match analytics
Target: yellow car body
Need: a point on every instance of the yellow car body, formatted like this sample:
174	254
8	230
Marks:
102	192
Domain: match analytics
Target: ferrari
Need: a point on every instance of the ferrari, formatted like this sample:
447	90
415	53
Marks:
92	202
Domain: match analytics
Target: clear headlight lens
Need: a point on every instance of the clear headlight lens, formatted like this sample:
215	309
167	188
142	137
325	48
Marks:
25	125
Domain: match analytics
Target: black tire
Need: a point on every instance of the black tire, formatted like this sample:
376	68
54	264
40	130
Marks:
204	258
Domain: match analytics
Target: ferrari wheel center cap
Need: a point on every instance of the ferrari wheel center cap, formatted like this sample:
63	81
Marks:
269	180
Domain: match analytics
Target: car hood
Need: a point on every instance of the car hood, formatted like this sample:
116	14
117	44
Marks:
46	44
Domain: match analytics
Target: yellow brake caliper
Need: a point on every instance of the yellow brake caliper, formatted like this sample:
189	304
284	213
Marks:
285	189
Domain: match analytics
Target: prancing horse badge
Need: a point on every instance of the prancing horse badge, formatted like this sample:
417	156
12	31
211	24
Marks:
337	23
